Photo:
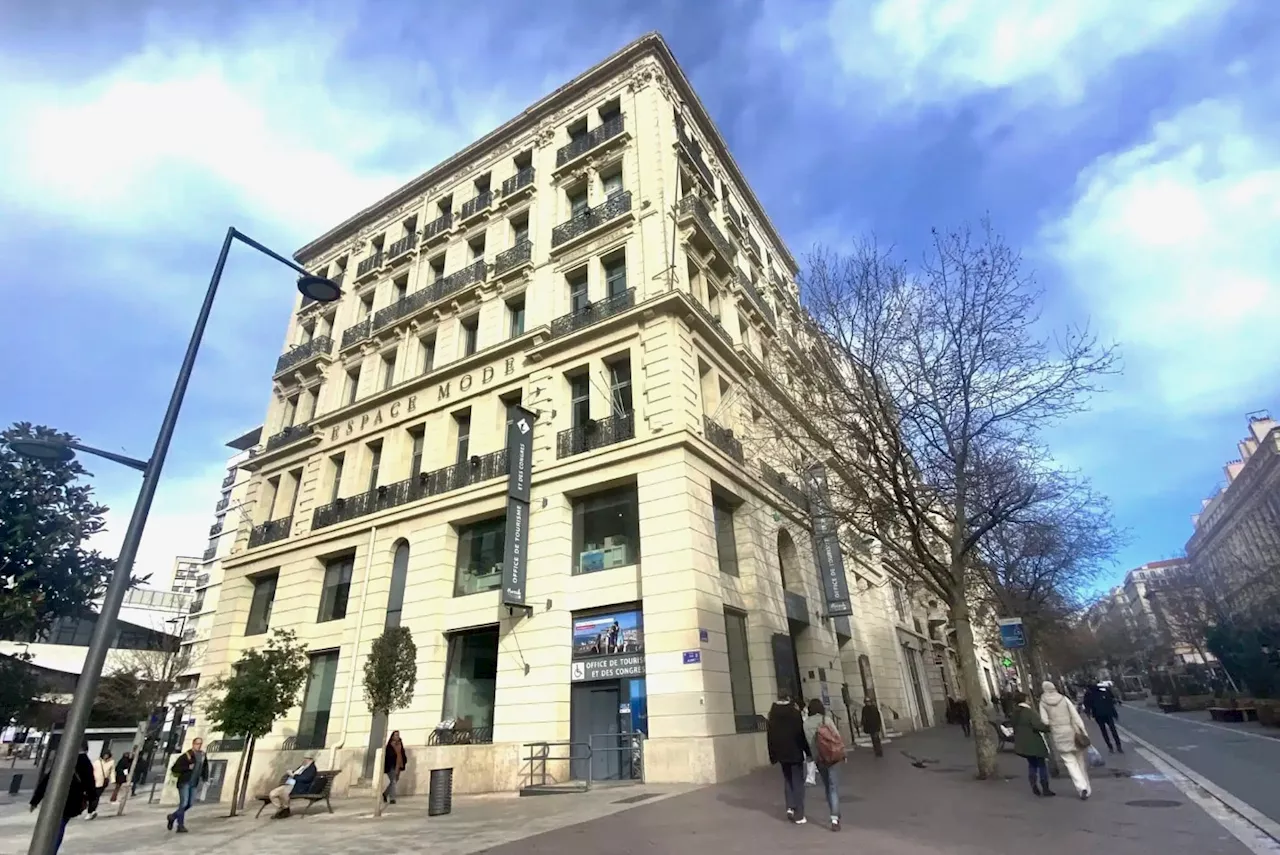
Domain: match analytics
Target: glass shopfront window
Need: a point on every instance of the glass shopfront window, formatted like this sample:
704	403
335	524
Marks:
606	530
480	555
471	678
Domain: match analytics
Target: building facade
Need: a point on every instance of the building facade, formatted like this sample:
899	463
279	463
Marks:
600	266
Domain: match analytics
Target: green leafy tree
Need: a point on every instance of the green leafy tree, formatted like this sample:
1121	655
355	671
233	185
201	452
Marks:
46	515
262	687
19	686
389	675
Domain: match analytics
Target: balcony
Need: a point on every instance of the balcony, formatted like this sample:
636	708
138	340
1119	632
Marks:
438	229
215	529
210	553
693	151
692	209
291	434
318	346
402	308
711	320
752	245
513	259
779	482
222	504
723	439
369	266
229	480
270	532
455	282
400	247
590	219
595	435
593	313
479	204
520	182
757	299
203	579
732	218
356	333
585	143
195	607
473	471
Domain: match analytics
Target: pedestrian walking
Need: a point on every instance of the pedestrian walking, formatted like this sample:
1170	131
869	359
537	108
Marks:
1105	712
826	747
789	749
964	716
122	773
77	792
103	771
872	725
1068	734
393	764
1029	743
192	770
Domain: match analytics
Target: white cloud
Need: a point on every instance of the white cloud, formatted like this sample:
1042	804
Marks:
1172	245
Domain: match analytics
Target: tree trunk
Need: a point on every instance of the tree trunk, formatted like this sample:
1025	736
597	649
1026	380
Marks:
377	781
983	739
240	770
248	764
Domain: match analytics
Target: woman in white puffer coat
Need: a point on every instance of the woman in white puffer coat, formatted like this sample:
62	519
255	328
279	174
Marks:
1068	734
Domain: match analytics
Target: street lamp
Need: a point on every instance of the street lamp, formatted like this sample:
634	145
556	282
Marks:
46	832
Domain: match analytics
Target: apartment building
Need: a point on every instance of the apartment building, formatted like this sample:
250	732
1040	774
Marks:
521	434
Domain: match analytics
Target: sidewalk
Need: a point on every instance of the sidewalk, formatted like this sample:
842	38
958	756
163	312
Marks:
890	808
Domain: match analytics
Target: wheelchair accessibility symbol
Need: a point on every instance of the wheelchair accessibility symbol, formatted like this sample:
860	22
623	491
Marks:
578	671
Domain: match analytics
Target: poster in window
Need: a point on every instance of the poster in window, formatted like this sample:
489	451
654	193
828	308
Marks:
607	634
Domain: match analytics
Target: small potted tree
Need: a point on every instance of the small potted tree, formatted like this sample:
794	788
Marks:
389	675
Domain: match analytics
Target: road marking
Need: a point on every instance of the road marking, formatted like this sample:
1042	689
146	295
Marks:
1194	723
1245	822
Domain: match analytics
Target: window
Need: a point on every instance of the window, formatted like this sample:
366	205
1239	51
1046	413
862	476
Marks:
353	385
611	110
399	290
612	184
366	306
295	487
462	424
615	276
388	370
471	678
290	412
519	230
477	249
744	702
726	540
606	530
399	573
515	312
437	268
264	596
418	436
337	461
580	398
313	728
427	346
510	403
577	130
577	201
470	334
480	549
577	290
337	588
375	463
620	402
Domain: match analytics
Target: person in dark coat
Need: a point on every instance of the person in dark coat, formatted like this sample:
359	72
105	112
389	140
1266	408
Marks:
964	717
789	749
873	725
191	769
393	764
77	792
122	772
297	783
1102	706
1029	743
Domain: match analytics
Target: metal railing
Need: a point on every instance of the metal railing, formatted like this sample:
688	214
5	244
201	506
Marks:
469	736
215	529
226	746
595	434
589	218
401	246
437	226
722	438
456	281
291	434
480	202
629	749
510	259
779	482
369	264
222	504
472	471
694	206
693	150
318	346
540	753
229	479
270	531
356	333
750	290
519	181
583	144
210	552
712	320
406	305
593	313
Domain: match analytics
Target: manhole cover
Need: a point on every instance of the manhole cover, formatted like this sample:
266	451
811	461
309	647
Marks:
1153	803
630	800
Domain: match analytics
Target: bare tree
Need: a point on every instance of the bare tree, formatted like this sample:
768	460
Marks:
925	393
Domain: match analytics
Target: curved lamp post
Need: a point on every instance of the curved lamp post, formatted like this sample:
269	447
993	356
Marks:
48	825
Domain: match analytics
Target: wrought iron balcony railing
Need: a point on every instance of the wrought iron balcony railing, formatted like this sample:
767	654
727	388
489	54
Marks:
723	439
215	529
370	264
400	308
596	434
321	345
694	206
291	434
512	258
437	226
693	149
270	531
731	215
519	181
473	206
593	313
712	320
783	485
757	299
751	242
229	480
203	579
589	218
588	141
455	282
455	477
453	736
210	552
356	333
222	504
401	246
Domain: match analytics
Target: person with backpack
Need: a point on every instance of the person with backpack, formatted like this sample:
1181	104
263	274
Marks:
191	769
77	792
826	746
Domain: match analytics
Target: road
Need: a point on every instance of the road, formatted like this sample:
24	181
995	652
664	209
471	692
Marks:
1244	763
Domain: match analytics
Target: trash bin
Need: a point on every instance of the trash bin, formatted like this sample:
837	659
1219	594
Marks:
440	792
15	784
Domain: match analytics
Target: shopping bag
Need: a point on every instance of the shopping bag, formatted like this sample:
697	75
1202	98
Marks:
810	773
1095	758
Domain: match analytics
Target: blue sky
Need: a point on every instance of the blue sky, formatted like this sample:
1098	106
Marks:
1132	150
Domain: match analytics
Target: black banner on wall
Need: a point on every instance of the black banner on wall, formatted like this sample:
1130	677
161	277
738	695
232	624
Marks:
520	453
826	545
516	549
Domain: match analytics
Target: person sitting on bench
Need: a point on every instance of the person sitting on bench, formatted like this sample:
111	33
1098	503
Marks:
298	783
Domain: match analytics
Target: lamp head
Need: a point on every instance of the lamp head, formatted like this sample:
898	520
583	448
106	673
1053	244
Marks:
319	289
42	449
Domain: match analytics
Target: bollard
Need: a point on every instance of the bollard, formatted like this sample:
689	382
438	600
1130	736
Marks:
440	792
15	783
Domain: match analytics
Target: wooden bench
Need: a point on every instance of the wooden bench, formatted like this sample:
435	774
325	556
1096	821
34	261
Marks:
1233	714
321	788
1002	740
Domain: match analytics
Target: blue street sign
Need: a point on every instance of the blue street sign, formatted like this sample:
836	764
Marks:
1012	635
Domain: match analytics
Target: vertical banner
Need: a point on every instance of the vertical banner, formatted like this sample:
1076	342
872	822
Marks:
520	464
826	545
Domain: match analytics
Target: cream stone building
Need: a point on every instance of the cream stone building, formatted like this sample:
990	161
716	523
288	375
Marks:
601	263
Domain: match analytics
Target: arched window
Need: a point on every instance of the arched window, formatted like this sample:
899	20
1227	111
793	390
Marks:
788	559
399	570
868	679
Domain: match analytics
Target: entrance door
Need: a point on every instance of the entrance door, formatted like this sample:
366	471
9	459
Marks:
915	684
785	664
594	720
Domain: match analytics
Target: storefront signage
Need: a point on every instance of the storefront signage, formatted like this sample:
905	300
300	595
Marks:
607	668
411	404
520	452
520	466
608	646
1012	635
826	546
